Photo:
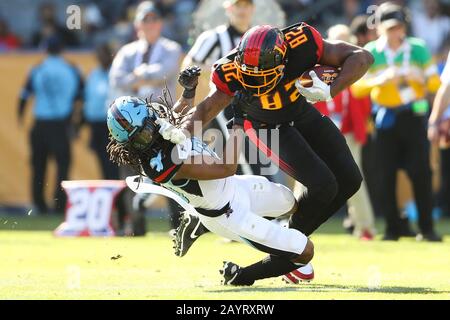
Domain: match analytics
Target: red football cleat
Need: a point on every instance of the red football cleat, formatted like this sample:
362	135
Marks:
366	235
302	274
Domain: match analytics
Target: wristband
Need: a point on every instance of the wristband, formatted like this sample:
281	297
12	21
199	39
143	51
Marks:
188	94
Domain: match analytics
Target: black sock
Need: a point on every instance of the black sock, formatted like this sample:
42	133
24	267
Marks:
271	266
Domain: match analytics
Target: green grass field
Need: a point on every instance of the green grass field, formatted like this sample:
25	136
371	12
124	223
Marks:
36	265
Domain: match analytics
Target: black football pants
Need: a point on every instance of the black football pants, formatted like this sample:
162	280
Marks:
312	151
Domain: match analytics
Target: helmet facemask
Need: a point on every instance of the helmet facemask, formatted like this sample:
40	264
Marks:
258	82
145	136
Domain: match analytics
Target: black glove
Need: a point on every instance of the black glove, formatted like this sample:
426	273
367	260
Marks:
188	77
238	117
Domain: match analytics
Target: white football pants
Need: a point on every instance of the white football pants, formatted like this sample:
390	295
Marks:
254	198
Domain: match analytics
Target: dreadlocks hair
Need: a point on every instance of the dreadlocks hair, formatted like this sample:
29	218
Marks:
123	153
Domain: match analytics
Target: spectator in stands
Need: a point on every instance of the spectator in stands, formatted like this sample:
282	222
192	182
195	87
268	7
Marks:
56	85
8	41
351	9
370	166
49	27
92	25
183	11
117	35
398	83
439	131
143	68
361	31
95	108
351	115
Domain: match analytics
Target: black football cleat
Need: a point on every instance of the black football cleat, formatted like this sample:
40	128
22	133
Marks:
229	273
189	230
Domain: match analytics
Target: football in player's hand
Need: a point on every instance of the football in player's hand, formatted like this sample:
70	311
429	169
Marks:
325	73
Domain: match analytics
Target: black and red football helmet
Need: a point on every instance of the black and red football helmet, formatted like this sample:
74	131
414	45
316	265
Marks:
261	58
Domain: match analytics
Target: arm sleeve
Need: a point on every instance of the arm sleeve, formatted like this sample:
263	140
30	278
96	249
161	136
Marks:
221	85
318	41
305	47
224	75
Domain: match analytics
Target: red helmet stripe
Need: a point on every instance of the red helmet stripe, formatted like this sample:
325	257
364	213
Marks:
261	40
250	57
120	119
253	46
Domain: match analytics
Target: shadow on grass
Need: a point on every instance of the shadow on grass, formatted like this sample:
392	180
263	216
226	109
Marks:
333	288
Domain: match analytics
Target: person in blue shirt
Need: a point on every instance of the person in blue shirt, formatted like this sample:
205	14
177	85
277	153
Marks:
55	85
95	109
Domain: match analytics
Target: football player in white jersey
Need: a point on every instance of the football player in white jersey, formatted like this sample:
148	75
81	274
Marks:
146	136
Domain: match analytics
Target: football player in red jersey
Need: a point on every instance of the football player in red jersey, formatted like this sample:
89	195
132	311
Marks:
260	77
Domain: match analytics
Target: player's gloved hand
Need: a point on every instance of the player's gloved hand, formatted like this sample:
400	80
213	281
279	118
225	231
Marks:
238	117
235	122
188	78
169	132
319	91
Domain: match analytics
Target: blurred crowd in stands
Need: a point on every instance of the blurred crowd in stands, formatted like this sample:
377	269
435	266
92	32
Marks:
102	22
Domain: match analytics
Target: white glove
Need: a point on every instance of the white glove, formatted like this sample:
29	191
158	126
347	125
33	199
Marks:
170	132
319	91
